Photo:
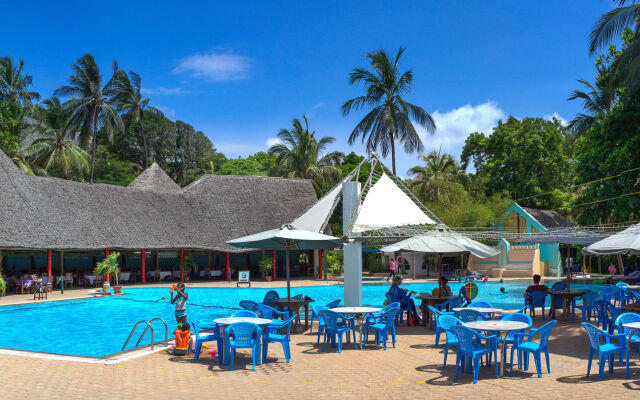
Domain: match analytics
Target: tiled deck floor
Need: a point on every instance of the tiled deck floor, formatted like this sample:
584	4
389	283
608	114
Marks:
411	371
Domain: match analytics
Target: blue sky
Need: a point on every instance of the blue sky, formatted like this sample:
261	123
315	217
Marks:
240	71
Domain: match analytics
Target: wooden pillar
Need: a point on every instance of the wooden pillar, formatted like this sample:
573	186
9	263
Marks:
143	253
181	261
106	254
209	259
61	273
320	256
599	264
49	263
274	266
228	269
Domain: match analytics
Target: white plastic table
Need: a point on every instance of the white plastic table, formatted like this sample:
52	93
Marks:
90	277
359	313
484	310
633	287
635	328
262	322
500	327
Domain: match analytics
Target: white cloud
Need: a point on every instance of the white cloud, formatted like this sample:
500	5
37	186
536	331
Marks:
272	141
454	126
215	67
234	149
550	117
163	91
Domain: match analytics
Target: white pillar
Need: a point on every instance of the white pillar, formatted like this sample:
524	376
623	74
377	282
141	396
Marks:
352	251
316	263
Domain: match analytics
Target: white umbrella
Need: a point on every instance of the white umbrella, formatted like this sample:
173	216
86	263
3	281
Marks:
287	238
627	241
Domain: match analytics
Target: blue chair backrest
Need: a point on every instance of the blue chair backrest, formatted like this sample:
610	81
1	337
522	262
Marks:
319	308
249	305
622	284
435	311
520	317
391	306
466	338
271	295
627	318
455	302
607	293
482	304
614	312
545	331
244	313
196	326
272	328
601	307
446	322
298	296
537	298
332	319
334	303
266	311
562	285
462	295
390	315
244	333
594	335
471	315
589	298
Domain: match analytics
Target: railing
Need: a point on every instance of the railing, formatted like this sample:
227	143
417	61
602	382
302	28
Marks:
149	326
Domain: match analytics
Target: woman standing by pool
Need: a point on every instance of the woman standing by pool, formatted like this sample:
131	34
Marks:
392	268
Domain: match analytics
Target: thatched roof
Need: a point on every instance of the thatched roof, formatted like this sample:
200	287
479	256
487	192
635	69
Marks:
44	212
549	219
156	180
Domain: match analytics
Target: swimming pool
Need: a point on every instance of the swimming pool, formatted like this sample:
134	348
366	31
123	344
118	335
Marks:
99	326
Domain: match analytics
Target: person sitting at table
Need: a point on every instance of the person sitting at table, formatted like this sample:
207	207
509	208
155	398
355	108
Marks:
401	295
443	288
536	287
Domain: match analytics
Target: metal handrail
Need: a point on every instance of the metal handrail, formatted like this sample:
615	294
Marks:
166	331
134	329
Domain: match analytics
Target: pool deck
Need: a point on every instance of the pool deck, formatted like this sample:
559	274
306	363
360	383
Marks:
410	371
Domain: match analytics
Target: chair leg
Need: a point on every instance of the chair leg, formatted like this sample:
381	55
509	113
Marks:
476	368
339	342
546	356
220	351
393	337
602	360
455	378
196	352
355	342
511	367
495	365
253	358
589	363
446	351
233	355
437	335
536	358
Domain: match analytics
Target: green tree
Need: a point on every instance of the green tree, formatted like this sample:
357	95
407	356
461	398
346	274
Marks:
194	151
241	166
124	90
435	181
90	109
50	145
303	156
15	83
523	157
389	116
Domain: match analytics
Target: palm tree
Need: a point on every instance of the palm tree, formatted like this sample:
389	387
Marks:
14	83
89	108
125	94
597	102
303	156
436	180
389	118
49	144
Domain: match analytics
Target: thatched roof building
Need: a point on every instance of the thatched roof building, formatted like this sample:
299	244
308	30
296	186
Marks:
153	212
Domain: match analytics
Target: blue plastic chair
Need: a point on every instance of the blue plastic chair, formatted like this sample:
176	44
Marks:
468	346
331	305
535	300
450	304
243	335
621	295
562	285
614	313
272	336
206	333
607	294
447	322
606	351
462	295
385	325
270	295
466	315
336	324
587	305
522	343
601	311
510	339
244	313
271	313
248	305
404	306
627	318
375	317
480	304
437	313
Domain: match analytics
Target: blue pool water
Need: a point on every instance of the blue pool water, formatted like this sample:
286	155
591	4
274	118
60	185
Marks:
99	326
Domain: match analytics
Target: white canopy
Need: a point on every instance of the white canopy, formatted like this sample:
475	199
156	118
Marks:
387	206
442	243
622	242
315	218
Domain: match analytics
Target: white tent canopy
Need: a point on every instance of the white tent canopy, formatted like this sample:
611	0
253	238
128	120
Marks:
627	241
442	243
315	218
387	206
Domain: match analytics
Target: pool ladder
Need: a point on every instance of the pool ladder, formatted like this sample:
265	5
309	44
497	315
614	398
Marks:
149	326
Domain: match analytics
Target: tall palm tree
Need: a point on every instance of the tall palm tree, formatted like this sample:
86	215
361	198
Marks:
389	118
436	180
125	94
49	144
89	108
14	82
302	156
597	102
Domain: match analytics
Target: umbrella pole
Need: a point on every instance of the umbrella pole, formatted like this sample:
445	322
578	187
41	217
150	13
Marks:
440	275
569	267
288	270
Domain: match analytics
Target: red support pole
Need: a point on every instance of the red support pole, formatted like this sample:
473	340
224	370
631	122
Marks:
106	254
228	269
144	259
274	266
320	263
181	261
49	263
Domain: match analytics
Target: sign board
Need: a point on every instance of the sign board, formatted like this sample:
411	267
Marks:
243	277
